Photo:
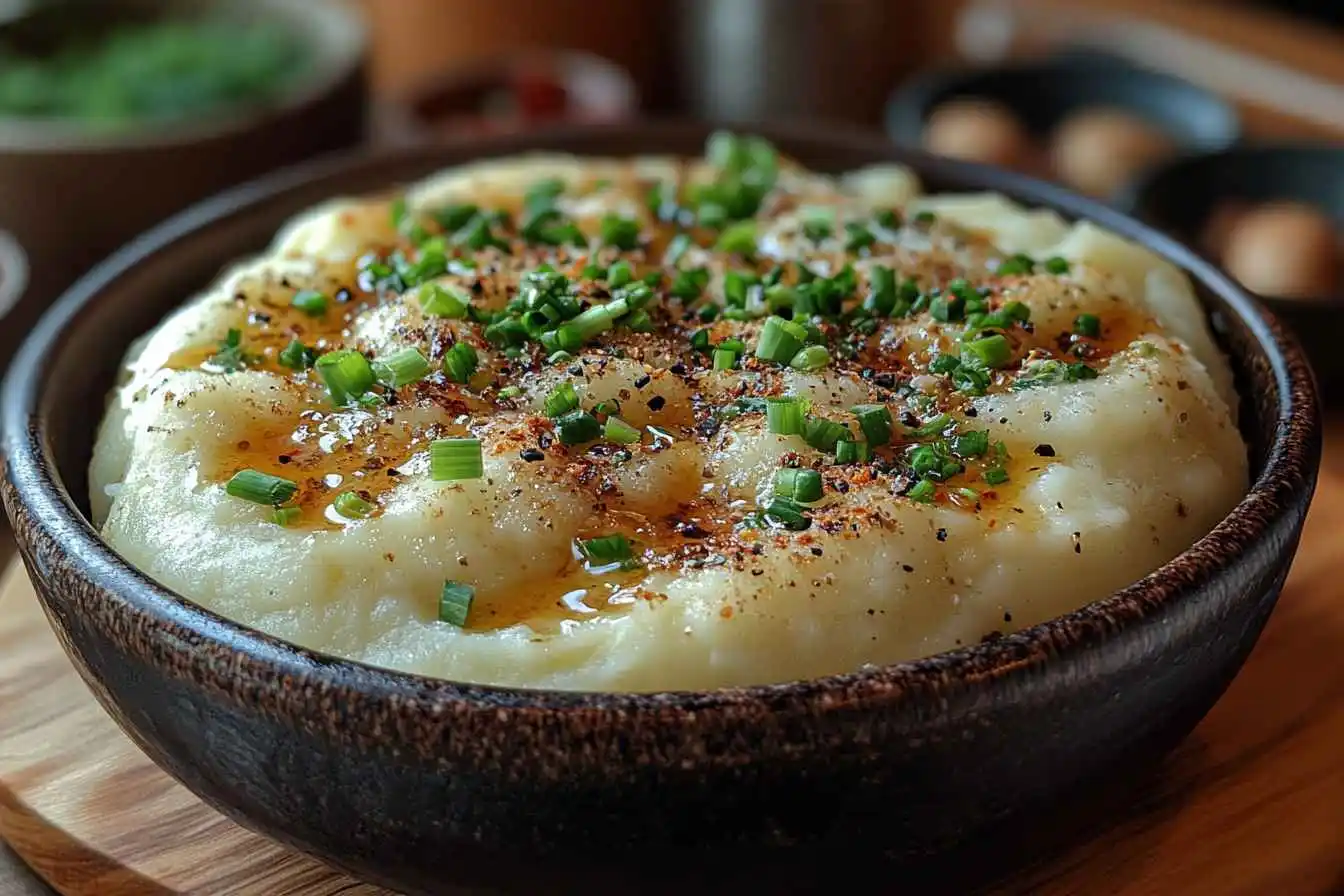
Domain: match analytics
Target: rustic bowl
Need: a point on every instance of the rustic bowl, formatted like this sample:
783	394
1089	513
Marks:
71	194
1179	197
416	782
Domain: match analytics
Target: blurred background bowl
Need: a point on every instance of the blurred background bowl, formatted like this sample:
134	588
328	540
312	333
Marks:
72	190
1272	214
1085	118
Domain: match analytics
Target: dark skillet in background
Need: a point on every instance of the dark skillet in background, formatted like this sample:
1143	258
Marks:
1179	197
420	783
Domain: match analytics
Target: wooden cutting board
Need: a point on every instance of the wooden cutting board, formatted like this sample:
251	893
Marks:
1252	803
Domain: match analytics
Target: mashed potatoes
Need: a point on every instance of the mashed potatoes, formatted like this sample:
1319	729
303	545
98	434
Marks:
665	424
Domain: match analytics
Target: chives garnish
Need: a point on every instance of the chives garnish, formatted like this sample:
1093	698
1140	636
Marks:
561	400
438	300
577	427
933	426
260	488
1088	325
943	363
639	322
297	356
780	340
786	513
784	416
848	451
995	476
455	603
874	421
618	431
676	247
823	434
812	357
700	340
819	224
738	239
858	236
401	368
971	444
452	459
607	549
990	352
347	375
286	516
803	486
881	298
1057	265
310	302
1018	264
231	357
619	274
724	359
623	233
352	506
948	307
1053	373
605	409
454	217
922	491
460	363
735	285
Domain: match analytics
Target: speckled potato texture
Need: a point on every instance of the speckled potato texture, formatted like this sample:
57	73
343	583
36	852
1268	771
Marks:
1111	477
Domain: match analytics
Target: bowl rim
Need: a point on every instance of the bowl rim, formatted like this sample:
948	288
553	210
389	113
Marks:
335	61
178	627
909	103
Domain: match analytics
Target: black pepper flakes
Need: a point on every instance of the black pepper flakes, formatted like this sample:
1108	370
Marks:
941	534
1044	451
531	455
907	567
656	403
643	381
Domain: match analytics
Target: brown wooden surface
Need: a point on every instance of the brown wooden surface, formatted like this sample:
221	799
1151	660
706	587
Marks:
1252	803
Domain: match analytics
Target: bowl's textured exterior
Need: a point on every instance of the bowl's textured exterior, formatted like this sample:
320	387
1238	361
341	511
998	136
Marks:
417	782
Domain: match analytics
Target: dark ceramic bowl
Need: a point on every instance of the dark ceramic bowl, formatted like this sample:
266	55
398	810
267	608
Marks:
417	782
1180	197
1043	92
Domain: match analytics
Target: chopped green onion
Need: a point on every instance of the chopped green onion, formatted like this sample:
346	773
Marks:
700	340
639	322
605	409
510	392
849	451
310	302
819	224
780	340
561	400
924	219
352	506
803	486
1057	265
922	491
401	368
933	426
1052	373
735	284
943	364
823	434
541	195
347	375
455	603
676	247
786	513
607	549
461	362
623	233
618	431
286	516
995	476
875	421
577	427
887	219
990	352
260	488
297	356
784	416
858	236
1088	325
231	357
971	444
438	300
619	274
1018	264
690	283
454	217
948	307
452	459
812	357
739	239
725	359
881	297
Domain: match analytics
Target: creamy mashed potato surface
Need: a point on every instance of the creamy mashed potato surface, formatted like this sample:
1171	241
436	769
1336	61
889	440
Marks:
638	424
